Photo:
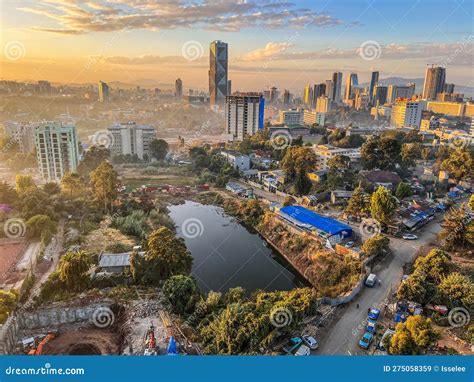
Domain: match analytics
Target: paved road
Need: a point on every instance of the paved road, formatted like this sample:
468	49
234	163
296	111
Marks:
344	334
270	196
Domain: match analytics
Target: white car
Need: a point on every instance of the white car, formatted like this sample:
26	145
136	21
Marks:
303	350
409	236
311	342
349	244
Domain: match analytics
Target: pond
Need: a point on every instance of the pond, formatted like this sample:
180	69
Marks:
227	255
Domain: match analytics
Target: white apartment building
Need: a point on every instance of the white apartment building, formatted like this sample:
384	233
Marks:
23	134
244	115
407	113
237	160
326	152
292	116
57	150
130	138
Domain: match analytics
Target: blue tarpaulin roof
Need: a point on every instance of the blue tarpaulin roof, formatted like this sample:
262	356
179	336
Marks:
172	349
320	222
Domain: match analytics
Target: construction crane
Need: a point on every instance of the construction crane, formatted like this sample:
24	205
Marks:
39	349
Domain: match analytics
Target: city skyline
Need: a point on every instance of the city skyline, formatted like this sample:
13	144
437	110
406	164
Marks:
286	45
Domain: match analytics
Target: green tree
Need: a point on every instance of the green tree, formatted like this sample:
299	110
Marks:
8	301
72	183
181	293
413	337
104	181
383	205
359	203
457	290
459	164
409	153
51	188
402	190
471	202
92	159
166	256
298	161
24	183
458	228
41	227
73	268
8	194
417	288
380	152
377	245
159	148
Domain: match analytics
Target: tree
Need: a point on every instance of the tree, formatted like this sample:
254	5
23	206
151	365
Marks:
383	205
380	152
92	159
72	183
8	302
410	152
8	194
471	202
73	268
24	183
376	245
298	161
51	188
456	290
434	266
459	164
425	153
181	293
458	228
41	227
417	288
158	149
402	190
288	201
166	256
104	183
359	203
413	337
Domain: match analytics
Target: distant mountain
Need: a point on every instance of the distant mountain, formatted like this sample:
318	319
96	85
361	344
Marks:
400	81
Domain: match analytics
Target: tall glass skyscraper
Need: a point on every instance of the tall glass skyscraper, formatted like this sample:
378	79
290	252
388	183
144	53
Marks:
435	79
374	79
218	84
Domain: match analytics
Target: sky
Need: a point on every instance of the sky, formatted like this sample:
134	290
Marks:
271	43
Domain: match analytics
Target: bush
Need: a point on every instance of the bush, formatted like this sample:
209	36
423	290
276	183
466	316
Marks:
181	294
134	224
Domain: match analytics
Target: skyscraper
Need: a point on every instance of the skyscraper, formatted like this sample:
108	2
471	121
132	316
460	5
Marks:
286	97
379	94
218	84
131	139
318	91
244	115
395	92
273	95
337	85
435	79
407	113
374	79
308	95
449	88
57	150
329	89
351	82
178	88
103	91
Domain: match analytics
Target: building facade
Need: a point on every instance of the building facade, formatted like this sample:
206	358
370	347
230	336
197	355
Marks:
131	139
292	116
325	152
218	81
244	115
407	113
178	88
104	92
435	78
337	85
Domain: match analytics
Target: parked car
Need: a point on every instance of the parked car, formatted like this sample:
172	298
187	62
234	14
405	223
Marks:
349	244
310	342
366	340
371	326
374	314
371	280
292	345
303	350
409	236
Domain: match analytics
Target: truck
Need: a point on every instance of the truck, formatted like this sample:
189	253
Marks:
293	344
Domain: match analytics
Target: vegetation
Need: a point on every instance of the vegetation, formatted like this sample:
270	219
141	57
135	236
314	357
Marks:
104	184
380	152
383	205
296	163
181	294
402	190
377	245
41	227
8	300
359	203
458	228
459	164
413	337
134	224
158	149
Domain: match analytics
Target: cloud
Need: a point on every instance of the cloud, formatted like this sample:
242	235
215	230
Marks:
271	50
149	59
116	15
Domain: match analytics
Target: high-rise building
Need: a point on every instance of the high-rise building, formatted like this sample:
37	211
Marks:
23	134
448	88
395	92
361	101
407	113
244	115
103	91
374	79
286	97
218	83
329	88
337	85
178	88
435	79
379	94
318	91
57	150
131	139
273	95
351	82
308	95
292	117
324	104
229	87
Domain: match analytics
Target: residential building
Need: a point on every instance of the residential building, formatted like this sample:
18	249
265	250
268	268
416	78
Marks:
395	92
324	104
178	88
457	109
407	113
374	79
218	80
292	116
381	110
312	117
57	150
131	139
337	85
435	78
244	115
104	94
237	160
325	152
23	134
361	101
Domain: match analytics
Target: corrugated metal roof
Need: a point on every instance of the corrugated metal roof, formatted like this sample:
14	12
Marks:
116	259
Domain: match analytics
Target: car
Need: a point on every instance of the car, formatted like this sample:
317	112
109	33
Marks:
371	280
349	244
303	350
409	236
310	342
292	345
366	340
374	314
371	326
